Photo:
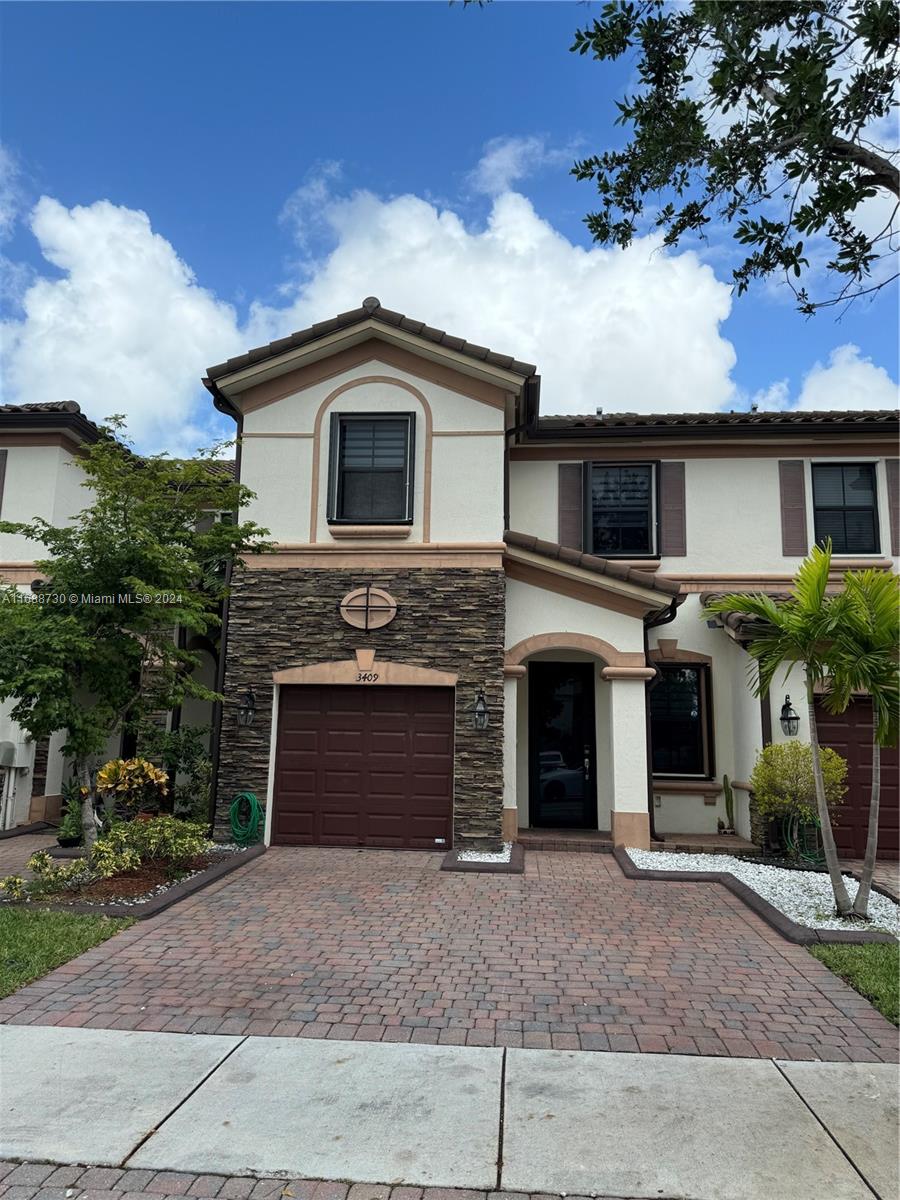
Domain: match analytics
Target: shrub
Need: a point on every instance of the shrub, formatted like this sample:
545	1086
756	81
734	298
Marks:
783	783
182	752
133	785
51	877
107	860
13	887
161	839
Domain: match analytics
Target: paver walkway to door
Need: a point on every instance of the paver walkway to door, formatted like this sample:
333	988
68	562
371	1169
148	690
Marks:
381	945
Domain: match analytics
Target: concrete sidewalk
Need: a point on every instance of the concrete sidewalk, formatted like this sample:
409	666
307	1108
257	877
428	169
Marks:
624	1125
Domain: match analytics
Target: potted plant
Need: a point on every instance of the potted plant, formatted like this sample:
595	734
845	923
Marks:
69	832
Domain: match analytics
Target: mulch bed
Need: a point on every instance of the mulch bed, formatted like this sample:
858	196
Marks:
136	883
117	897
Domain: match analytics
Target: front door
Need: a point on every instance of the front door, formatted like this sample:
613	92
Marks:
562	745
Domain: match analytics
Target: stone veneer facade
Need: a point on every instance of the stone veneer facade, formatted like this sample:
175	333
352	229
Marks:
448	619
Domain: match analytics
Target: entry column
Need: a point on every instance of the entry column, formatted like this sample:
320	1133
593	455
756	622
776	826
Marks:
511	677
629	816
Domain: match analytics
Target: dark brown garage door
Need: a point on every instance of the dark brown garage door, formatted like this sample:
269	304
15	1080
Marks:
364	766
851	735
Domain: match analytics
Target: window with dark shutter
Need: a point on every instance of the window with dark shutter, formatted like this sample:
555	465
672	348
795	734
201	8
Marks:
672	524
792	488
2	475
892	471
571	505
680	721
621	509
371	468
845	508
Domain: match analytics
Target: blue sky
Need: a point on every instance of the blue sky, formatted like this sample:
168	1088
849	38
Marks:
275	150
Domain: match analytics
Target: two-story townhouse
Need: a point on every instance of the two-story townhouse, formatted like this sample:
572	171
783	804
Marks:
40	476
41	448
478	620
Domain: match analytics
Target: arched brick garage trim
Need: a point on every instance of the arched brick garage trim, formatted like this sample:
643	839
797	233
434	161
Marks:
612	657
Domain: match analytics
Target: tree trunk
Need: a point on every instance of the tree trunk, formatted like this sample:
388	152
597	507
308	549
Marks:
861	903
841	897
88	819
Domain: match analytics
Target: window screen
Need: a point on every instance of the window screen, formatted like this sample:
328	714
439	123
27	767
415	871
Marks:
371	468
845	507
620	507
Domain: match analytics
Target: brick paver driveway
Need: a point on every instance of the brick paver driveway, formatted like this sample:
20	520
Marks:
16	851
382	945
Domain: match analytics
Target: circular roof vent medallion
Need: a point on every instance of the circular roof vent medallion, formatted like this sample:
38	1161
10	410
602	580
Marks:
368	608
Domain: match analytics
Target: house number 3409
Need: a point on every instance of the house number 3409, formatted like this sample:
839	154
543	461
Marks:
367	677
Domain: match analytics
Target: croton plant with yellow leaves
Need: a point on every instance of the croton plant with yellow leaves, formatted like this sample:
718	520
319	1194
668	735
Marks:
133	785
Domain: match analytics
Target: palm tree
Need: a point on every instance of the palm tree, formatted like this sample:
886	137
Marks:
800	630
863	658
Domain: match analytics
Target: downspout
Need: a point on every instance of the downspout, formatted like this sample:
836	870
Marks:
668	614
224	405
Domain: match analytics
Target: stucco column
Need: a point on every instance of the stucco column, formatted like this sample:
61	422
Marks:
629	819
511	677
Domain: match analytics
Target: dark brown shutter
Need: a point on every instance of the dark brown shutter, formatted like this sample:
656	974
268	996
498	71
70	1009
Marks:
2	475
794	539
672	530
892	468
571	505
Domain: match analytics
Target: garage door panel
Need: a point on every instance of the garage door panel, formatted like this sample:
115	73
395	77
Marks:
364	766
850	734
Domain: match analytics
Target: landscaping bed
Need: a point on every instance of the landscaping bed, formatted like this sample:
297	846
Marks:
145	882
798	903
135	868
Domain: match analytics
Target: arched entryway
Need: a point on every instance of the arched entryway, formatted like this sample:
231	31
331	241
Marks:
575	737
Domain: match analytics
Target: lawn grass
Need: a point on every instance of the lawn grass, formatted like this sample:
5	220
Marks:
33	941
872	969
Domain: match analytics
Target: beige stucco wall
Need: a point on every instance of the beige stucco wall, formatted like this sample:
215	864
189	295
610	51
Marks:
532	610
466	471
41	481
732	511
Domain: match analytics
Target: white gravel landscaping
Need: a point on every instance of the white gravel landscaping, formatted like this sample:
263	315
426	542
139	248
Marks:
804	896
484	856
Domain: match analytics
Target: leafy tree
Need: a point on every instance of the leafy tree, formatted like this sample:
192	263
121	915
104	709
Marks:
94	650
864	659
799	630
764	114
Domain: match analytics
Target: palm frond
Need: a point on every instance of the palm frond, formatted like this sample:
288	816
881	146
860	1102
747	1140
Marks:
811	579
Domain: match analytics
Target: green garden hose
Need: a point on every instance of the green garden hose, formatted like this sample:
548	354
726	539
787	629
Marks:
792	833
245	833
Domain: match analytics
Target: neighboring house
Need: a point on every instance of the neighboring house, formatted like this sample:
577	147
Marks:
40	476
478	619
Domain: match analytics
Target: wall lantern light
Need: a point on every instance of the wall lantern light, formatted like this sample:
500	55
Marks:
247	708
480	718
790	721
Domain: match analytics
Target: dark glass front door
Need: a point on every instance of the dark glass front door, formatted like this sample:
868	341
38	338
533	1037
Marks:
562	745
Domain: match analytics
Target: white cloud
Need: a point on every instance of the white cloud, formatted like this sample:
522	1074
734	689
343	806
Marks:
11	192
848	381
635	329
126	329
123	325
507	160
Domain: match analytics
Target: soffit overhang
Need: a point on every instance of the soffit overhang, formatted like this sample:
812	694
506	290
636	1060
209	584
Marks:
234	384
605	591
